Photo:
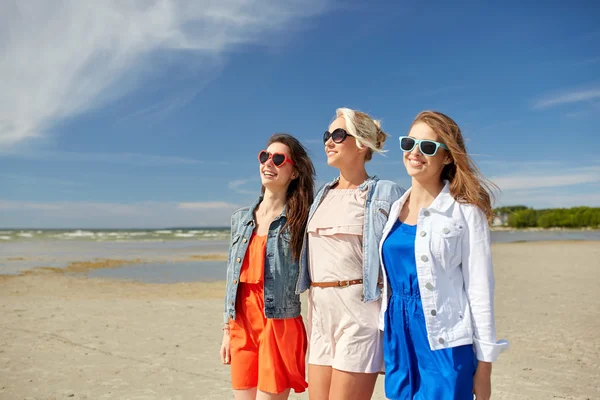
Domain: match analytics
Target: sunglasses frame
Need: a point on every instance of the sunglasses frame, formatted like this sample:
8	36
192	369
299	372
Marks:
286	159
329	135
419	141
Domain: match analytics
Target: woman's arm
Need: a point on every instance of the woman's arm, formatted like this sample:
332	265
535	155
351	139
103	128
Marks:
478	275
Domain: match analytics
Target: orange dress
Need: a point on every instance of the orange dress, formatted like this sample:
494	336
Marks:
269	354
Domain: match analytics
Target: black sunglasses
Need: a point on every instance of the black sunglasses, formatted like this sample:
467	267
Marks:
338	135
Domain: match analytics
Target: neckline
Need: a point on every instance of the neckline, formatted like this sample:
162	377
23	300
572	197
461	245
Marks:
345	190
406	227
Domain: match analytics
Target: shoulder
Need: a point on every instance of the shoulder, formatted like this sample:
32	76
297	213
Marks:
239	214
472	215
325	185
322	187
389	189
468	210
240	211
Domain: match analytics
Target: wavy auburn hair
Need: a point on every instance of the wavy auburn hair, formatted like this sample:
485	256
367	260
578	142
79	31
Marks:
467	184
300	193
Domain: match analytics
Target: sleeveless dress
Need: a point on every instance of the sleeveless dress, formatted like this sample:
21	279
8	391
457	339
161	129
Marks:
343	330
268	354
412	369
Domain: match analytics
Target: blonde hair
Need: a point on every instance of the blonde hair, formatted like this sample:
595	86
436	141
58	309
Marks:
366	131
467	183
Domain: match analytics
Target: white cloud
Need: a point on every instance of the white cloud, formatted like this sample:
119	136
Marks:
242	186
62	58
112	158
549	184
17	205
28	180
69	214
548	180
207	205
549	199
574	96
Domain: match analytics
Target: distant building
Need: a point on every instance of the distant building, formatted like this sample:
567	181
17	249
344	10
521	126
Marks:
500	220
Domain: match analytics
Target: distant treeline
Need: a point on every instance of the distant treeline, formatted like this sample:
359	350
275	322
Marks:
524	217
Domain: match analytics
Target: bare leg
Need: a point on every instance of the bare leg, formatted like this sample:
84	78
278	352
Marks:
272	396
352	385
246	394
319	381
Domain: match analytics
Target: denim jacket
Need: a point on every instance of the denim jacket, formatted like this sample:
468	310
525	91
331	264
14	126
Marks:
381	195
281	272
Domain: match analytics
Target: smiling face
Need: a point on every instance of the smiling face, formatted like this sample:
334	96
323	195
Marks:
277	178
420	167
340	155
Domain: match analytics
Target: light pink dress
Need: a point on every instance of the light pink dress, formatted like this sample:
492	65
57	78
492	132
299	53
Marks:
343	331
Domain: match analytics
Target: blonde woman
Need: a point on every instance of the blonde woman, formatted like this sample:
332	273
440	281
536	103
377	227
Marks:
339	262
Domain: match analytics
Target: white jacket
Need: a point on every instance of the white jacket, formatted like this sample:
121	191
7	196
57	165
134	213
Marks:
455	274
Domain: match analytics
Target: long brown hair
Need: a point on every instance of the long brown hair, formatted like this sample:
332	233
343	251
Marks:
467	184
300	193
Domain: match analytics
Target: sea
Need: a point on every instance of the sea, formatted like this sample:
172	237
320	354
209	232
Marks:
165	255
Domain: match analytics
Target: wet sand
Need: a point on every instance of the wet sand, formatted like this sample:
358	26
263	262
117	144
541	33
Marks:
64	336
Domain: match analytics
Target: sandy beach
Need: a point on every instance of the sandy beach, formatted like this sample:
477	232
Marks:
63	336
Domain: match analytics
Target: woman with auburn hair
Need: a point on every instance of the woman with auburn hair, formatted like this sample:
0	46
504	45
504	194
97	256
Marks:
340	263
264	338
438	303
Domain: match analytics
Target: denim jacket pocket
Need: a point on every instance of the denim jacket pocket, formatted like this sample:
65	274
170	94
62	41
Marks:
380	217
445	244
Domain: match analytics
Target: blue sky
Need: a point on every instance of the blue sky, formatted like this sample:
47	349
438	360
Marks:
151	115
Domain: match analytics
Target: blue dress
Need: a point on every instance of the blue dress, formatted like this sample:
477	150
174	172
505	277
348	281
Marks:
412	369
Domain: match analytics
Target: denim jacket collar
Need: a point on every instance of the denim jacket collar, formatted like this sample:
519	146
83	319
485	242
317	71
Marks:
363	186
249	218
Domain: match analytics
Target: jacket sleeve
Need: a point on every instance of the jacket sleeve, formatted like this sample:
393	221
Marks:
478	275
225	313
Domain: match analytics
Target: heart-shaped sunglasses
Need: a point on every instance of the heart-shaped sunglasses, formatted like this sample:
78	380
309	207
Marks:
278	158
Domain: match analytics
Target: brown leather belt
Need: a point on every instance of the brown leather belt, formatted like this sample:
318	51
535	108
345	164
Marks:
337	284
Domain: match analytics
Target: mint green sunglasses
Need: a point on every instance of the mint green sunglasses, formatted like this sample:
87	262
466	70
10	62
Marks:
427	147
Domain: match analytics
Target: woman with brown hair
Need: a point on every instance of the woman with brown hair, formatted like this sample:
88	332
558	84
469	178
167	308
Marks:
438	302
264	338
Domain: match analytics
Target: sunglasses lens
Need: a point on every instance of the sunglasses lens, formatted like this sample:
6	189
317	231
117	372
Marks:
326	136
339	135
407	144
278	159
263	157
428	148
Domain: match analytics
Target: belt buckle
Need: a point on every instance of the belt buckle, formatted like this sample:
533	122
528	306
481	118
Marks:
344	283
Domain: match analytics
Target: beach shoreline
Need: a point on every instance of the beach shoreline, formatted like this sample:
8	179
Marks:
65	336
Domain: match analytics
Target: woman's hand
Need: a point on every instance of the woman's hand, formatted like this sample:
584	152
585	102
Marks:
225	354
482	381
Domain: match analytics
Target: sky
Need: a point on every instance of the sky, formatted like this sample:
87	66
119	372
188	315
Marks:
135	114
